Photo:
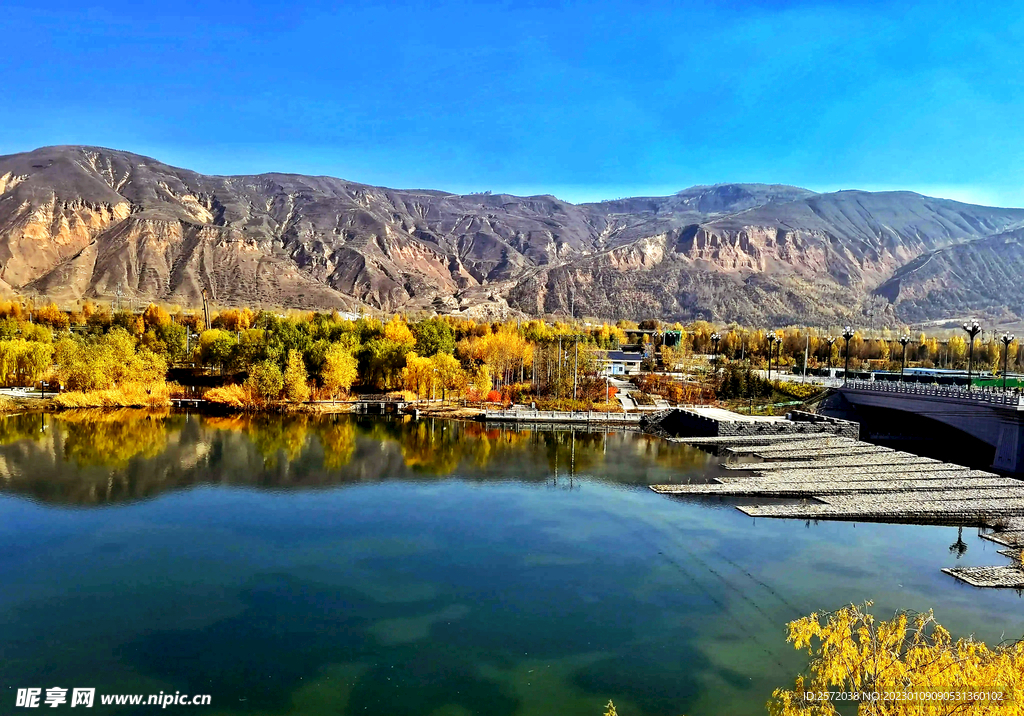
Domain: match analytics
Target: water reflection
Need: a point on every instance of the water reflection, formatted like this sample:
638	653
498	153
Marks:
95	456
458	575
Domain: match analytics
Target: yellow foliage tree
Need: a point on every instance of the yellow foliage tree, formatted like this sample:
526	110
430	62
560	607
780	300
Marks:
111	361
957	350
339	369
482	382
296	379
418	374
397	331
910	658
449	373
155	316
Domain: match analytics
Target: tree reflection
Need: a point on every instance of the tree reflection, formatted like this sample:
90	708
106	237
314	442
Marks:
25	426
110	438
338	440
94	456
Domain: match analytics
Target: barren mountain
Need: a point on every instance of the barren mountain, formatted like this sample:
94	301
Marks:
88	222
981	277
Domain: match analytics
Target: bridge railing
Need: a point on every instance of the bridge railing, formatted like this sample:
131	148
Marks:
980	395
557	416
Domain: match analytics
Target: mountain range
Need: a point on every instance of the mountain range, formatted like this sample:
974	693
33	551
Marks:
86	222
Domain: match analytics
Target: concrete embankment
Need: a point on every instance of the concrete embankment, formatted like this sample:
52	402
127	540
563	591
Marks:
836	477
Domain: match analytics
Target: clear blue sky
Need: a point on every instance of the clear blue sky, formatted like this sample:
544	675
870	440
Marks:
583	100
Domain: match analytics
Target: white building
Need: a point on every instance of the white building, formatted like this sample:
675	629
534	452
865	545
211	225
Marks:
619	363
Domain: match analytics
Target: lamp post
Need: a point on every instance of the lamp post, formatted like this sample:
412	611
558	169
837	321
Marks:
1007	339
904	340
847	334
831	341
771	349
972	329
715	338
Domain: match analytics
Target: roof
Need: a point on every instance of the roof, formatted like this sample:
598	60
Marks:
623	356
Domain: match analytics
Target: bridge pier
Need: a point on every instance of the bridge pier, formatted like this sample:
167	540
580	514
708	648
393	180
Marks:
1010	447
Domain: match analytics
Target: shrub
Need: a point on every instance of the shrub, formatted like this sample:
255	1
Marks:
154	395
232	396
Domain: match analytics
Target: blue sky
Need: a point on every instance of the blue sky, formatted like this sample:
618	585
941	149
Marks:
582	100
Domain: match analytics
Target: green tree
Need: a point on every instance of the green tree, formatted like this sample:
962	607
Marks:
382	363
216	347
265	380
433	336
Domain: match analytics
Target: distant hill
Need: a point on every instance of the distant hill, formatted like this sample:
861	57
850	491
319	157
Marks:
89	222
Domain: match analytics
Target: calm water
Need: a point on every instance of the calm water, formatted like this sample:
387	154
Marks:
342	566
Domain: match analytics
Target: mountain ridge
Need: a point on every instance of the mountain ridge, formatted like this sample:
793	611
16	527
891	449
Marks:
86	222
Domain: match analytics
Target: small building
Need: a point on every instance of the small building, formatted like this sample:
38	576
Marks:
619	363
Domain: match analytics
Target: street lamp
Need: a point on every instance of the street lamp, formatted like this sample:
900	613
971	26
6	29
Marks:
831	341
847	334
771	349
973	329
715	338
904	340
1007	339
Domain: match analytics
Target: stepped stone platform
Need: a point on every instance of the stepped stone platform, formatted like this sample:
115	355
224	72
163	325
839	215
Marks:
730	440
992	577
1010	538
792	445
892	459
836	477
703	421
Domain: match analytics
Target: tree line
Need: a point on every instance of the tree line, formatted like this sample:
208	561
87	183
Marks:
266	356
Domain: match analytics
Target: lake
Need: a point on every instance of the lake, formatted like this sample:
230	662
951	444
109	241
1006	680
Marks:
343	565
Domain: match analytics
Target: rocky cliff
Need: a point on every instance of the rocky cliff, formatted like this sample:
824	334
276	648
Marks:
88	222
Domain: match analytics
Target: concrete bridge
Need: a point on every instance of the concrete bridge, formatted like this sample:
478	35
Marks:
994	417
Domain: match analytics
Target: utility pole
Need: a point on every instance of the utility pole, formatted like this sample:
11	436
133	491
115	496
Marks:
206	312
807	349
576	367
559	391
831	341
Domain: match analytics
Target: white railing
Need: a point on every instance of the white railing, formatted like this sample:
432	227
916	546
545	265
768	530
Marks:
988	395
558	416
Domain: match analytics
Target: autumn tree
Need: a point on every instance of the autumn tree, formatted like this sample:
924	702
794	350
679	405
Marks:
418	374
397	331
108	361
339	369
52	316
482	382
265	380
155	317
449	373
296	379
910	655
